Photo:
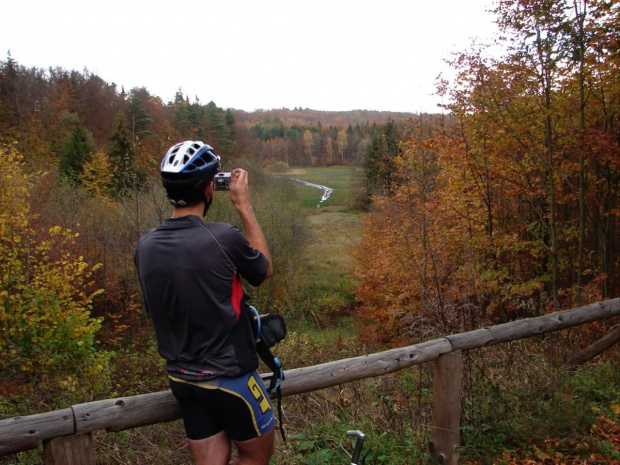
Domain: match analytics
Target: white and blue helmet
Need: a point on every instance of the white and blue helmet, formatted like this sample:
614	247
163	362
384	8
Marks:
186	169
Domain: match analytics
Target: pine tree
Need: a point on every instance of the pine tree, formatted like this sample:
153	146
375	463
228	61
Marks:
379	166
229	118
188	120
140	119
218	132
76	153
120	151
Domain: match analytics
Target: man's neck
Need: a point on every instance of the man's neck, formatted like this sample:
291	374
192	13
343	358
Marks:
196	210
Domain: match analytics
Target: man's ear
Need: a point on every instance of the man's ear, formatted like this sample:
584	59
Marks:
209	190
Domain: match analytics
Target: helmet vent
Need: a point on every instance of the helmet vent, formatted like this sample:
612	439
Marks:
189	162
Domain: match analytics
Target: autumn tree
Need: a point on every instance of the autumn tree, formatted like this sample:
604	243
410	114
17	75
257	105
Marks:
48	338
329	151
501	208
601	107
538	27
309	147
528	169
97	176
342	142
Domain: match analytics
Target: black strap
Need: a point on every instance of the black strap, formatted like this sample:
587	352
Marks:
274	364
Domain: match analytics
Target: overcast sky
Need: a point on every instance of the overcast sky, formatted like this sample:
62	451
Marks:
243	54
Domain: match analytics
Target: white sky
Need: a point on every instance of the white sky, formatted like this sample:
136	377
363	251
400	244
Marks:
324	55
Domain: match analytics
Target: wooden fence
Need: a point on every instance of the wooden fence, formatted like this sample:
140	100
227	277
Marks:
66	433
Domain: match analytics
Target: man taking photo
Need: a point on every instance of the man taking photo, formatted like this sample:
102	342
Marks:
190	274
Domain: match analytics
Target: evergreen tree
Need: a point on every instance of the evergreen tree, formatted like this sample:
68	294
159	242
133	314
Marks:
178	98
76	154
379	166
121	153
8	80
139	118
218	132
229	118
188	119
195	117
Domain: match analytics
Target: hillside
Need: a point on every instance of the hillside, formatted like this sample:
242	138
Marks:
306	117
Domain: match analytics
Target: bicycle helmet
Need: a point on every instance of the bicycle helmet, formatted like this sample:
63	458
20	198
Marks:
186	169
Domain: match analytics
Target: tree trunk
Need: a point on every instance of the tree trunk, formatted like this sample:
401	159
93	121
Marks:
582	176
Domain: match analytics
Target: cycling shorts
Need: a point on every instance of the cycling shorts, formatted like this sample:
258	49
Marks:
240	406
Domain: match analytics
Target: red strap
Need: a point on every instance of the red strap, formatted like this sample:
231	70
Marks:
237	295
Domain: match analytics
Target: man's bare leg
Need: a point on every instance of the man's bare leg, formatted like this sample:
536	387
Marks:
214	450
256	451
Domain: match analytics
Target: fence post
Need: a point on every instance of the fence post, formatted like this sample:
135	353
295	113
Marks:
69	450
445	435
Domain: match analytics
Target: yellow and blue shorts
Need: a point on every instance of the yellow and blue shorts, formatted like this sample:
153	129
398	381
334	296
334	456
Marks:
240	406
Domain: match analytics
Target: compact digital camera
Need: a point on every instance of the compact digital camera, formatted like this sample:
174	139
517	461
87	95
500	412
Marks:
222	181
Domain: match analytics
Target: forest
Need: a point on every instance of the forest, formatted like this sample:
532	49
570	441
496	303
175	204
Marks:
505	205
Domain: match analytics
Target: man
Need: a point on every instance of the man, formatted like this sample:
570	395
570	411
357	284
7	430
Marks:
189	272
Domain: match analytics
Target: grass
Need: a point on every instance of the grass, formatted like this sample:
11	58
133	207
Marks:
327	261
316	422
344	181
334	229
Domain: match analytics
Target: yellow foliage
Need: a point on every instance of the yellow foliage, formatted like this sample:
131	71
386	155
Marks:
98	175
45	296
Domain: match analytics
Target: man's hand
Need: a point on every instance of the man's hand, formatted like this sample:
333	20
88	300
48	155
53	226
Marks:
239	192
240	197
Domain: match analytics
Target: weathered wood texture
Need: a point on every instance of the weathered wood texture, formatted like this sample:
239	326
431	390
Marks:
23	433
445	433
316	377
126	412
69	450
600	346
534	326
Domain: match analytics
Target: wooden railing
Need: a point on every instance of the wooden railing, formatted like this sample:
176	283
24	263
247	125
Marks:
66	433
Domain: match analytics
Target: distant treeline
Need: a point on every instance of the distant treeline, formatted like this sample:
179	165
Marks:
42	109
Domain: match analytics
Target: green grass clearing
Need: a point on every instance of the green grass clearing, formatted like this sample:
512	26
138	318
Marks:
334	230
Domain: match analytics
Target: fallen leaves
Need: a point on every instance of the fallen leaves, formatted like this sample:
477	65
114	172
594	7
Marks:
598	445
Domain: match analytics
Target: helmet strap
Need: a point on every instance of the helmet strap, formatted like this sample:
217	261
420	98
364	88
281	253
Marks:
207	203
207	200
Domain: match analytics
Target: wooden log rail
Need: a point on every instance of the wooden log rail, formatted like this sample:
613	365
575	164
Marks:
24	433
